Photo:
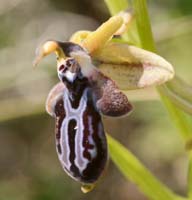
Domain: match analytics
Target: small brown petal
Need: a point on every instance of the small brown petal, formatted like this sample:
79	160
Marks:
111	101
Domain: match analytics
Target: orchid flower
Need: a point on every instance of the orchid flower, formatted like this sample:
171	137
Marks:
93	71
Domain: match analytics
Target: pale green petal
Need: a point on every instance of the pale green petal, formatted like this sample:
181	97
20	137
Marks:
132	67
98	38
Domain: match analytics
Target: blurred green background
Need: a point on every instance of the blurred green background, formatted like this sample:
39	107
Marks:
29	168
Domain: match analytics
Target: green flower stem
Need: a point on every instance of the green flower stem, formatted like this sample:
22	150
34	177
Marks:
180	93
133	170
177	115
190	176
147	42
115	6
174	92
143	25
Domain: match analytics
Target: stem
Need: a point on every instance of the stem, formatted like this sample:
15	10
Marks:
144	30
133	169
190	176
145	33
147	42
143	25
180	93
178	117
115	6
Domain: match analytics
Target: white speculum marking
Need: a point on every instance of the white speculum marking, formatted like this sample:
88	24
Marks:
69	75
77	114
90	137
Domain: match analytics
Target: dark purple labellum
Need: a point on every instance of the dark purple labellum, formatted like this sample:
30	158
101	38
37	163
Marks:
77	103
80	137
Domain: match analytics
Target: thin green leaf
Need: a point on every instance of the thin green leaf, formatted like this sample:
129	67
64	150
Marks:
144	30
133	170
122	157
